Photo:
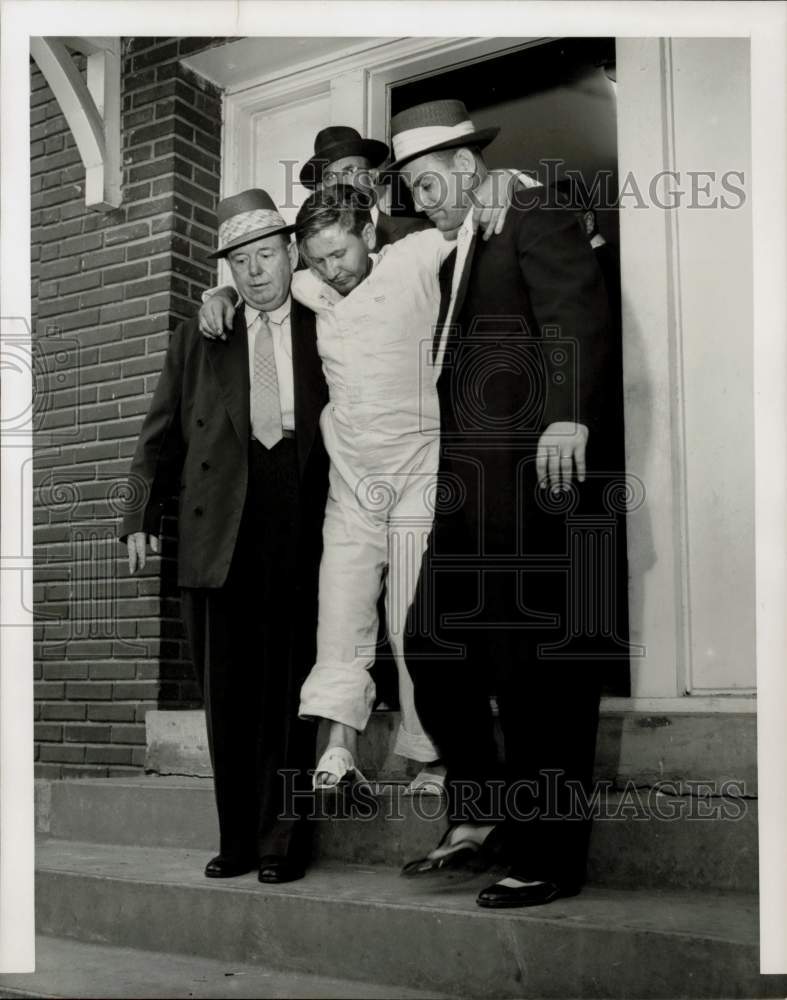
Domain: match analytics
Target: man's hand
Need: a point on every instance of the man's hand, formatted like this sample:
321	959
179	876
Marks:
492	200
217	313
561	449
136	549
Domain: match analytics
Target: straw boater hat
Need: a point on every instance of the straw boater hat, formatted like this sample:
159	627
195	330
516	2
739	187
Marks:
334	143
245	217
429	127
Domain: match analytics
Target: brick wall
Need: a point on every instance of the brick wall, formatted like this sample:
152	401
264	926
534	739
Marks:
107	290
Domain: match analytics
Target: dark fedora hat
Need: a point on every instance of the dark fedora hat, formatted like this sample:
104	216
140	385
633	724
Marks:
334	143
436	125
245	217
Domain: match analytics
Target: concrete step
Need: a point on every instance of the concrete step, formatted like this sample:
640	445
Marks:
69	968
639	838
368	924
716	748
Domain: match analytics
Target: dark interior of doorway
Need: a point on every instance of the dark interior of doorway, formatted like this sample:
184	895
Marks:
554	101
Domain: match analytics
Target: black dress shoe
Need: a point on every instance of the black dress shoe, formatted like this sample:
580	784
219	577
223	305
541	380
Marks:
464	854
226	867
274	869
499	896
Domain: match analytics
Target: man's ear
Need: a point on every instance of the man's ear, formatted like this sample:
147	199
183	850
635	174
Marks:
464	160
369	236
292	253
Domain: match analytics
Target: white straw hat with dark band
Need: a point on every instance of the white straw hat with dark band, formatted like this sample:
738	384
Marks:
436	125
245	217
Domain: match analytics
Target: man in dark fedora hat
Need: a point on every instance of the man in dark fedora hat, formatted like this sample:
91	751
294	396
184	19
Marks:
504	605
235	426
343	156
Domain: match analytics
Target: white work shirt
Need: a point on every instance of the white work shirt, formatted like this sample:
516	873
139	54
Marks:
375	345
279	321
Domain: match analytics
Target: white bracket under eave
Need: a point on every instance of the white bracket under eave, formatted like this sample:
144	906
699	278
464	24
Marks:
91	109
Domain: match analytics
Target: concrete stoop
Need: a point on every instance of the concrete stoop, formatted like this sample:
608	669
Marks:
366	923
639	838
670	910
633	748
74	969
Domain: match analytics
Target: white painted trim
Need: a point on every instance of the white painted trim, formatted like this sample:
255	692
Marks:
321	66
358	80
690	705
88	45
424	58
91	109
682	593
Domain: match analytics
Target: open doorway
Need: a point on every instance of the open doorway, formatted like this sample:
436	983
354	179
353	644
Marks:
554	101
555	104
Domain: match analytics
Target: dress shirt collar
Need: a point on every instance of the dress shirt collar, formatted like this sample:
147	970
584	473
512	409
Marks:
466	230
277	316
597	241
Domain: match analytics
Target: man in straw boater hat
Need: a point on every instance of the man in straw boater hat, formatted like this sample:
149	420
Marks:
236	426
521	344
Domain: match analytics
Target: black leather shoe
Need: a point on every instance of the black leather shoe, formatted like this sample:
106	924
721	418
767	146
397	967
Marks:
499	896
274	869
225	867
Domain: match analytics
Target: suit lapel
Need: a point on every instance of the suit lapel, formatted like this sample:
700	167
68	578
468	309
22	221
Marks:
445	279
311	392
446	282
465	278
230	361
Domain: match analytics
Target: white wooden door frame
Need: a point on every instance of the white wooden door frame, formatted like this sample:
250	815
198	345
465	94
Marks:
358	81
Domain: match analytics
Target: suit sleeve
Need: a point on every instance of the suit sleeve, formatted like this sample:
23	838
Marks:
567	294
158	459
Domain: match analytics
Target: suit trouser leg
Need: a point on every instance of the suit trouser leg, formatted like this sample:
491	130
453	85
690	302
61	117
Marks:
216	628
548	713
285	743
243	638
549	718
452	688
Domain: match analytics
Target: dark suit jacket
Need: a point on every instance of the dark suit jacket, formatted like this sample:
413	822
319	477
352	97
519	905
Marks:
531	343
194	443
529	346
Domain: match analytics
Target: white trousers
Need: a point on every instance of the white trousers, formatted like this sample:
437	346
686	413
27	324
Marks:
384	522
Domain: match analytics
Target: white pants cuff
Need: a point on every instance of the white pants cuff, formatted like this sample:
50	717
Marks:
414	746
340	692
